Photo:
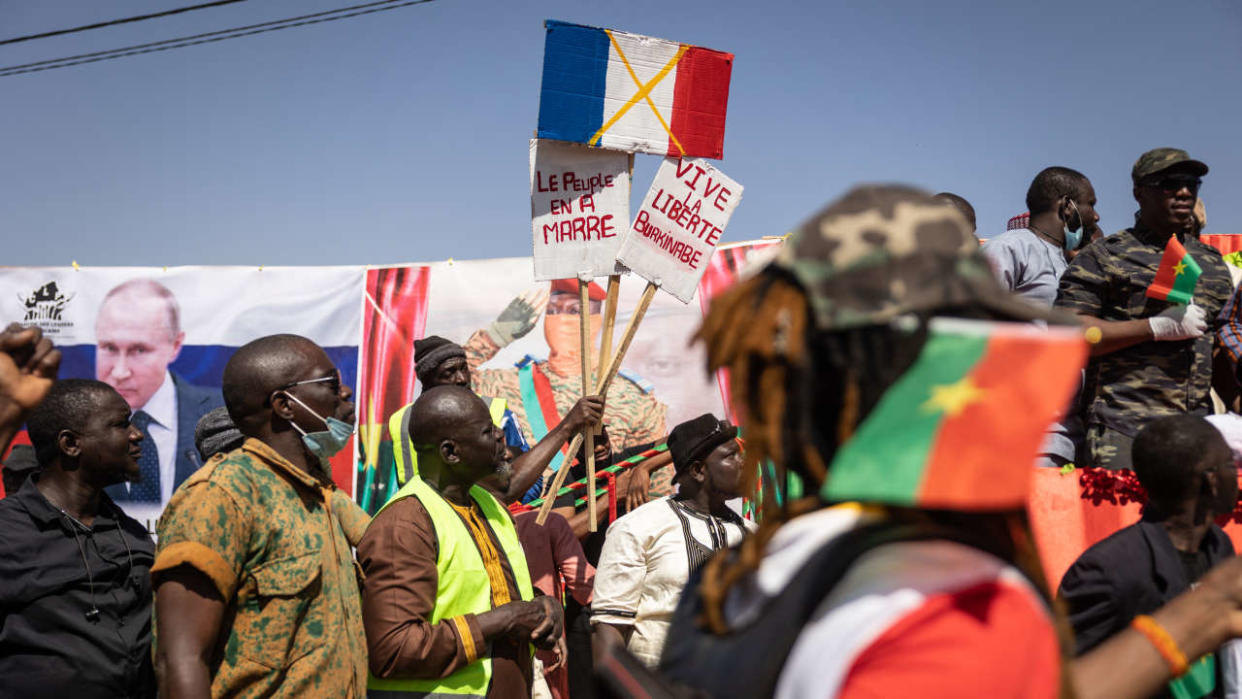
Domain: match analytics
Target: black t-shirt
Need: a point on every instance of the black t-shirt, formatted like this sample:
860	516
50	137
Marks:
58	636
1194	564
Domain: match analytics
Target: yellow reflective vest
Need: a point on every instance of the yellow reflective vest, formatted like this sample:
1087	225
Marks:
462	587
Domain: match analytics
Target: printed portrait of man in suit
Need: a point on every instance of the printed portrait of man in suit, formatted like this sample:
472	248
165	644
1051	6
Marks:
138	335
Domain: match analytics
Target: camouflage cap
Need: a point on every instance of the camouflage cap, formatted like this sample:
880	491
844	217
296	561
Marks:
885	250
1158	159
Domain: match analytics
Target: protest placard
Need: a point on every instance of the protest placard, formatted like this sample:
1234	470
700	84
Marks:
679	225
579	206
622	91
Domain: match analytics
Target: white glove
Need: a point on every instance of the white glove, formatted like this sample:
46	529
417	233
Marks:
1178	323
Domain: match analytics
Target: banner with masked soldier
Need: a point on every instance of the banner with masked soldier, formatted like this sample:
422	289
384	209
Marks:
522	345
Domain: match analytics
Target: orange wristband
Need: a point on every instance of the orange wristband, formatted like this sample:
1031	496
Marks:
1163	642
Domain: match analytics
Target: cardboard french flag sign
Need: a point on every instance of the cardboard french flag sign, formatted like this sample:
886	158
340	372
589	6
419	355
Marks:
622	91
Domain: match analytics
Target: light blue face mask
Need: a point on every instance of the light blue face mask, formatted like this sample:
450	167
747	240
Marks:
326	443
1073	238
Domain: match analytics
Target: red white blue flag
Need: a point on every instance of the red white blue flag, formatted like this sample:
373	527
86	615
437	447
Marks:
634	93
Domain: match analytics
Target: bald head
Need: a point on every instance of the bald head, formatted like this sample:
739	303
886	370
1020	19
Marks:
150	295
452	432
258	369
444	412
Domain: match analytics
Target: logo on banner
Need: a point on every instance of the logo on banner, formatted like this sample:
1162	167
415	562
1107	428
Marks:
45	307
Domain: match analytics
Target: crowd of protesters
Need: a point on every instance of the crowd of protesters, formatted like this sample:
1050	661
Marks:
264	579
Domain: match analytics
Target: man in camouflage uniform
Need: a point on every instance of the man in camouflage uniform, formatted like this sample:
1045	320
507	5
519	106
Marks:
1153	357
634	416
256	589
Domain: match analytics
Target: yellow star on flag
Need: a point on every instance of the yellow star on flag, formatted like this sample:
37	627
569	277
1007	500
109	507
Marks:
1179	268
953	398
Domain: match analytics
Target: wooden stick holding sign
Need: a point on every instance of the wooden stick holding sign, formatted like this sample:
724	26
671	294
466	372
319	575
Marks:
610	318
606	377
588	433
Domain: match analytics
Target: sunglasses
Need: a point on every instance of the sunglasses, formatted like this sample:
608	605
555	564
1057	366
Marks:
1175	183
333	380
571	306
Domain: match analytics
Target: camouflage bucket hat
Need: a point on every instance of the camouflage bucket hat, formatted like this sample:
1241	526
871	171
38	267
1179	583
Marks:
1159	159
882	251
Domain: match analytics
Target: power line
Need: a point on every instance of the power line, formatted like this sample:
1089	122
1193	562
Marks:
110	23
136	47
209	37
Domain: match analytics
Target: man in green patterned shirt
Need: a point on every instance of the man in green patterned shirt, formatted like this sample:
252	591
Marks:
256	590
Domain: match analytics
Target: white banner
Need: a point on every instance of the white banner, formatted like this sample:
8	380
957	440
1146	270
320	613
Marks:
162	336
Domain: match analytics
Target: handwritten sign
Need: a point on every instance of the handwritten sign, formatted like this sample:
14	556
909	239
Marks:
679	225
579	206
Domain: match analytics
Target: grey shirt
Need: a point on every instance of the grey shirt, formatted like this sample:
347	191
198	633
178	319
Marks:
1026	264
1031	267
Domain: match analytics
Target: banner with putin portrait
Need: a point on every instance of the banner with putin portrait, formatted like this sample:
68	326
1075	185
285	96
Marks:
161	338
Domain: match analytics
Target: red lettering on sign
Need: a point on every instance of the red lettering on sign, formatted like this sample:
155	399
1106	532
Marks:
697	174
707	190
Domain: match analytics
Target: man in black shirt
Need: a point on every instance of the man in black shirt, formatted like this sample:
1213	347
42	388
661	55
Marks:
1188	472
75	588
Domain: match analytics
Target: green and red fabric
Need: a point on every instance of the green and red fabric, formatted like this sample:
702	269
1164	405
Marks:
1176	276
540	404
962	427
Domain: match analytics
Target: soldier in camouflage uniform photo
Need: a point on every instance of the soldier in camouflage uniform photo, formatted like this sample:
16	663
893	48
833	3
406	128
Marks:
540	391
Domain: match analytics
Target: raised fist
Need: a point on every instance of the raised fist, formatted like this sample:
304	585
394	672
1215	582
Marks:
28	367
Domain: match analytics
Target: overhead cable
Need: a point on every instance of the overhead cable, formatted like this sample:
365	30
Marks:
209	37
110	23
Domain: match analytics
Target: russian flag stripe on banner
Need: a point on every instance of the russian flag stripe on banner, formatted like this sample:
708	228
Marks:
628	92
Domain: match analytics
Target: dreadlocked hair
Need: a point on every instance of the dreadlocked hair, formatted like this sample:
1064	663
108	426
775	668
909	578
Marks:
799	393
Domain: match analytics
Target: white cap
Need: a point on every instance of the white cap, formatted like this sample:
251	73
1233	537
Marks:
1230	427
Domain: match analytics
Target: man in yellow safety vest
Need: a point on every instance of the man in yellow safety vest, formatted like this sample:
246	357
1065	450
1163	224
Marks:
441	362
448	604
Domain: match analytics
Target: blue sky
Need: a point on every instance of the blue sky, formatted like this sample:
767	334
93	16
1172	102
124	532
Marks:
402	136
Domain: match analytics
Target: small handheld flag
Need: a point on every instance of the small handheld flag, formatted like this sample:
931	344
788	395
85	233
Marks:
962	427
1176	277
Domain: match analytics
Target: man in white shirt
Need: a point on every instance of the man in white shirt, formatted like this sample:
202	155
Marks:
138	335
649	554
1030	261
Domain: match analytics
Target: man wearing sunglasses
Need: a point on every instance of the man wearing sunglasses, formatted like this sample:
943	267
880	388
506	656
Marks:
256	590
1151	357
